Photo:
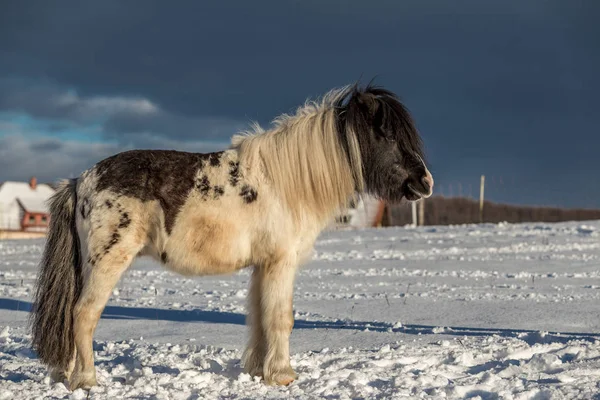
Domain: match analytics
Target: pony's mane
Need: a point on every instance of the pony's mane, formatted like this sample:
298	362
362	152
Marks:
314	165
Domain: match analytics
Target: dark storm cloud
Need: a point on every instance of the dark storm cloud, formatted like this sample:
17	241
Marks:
45	145
121	118
238	58
51	159
48	160
176	126
504	87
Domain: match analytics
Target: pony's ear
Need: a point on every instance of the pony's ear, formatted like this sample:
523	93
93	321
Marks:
373	112
369	103
378	115
365	113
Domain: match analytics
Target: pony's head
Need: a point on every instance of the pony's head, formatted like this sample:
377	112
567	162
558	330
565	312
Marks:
391	151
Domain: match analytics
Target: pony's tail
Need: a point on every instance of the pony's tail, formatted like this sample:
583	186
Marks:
58	283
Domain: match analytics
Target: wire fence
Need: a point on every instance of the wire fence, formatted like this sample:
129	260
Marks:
440	210
459	203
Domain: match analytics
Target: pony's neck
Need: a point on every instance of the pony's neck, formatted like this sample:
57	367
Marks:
304	160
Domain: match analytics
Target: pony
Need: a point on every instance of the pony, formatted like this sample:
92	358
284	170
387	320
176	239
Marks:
260	203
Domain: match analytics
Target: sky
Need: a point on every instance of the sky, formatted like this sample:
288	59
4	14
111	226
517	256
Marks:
505	88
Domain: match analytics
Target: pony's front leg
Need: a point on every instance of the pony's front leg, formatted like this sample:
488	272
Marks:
277	286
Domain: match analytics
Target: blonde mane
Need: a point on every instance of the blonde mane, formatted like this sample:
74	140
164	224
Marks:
304	159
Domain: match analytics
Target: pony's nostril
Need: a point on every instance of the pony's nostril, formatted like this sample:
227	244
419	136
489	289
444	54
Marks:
427	182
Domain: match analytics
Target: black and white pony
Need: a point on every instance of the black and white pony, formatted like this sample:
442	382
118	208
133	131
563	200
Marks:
261	204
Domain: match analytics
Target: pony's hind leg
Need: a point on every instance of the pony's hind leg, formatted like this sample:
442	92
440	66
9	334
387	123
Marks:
60	375
98	285
109	254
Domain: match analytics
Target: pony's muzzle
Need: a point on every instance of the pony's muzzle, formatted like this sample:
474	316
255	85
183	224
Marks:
427	182
420	187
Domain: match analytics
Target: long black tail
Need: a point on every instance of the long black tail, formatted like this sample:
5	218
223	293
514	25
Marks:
59	282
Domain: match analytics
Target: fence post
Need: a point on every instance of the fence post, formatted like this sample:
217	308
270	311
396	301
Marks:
481	199
414	213
422	212
388	214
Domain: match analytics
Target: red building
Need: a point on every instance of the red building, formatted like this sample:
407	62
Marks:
35	215
23	206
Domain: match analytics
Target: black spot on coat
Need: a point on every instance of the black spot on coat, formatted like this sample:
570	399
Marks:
215	159
85	208
203	186
248	194
166	176
96	258
234	173
218	191
93	259
163	257
114	239
108	204
124	221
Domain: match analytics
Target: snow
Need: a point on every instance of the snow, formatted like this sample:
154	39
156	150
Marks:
34	204
491	311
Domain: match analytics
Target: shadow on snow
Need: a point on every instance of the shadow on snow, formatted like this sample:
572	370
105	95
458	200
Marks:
221	317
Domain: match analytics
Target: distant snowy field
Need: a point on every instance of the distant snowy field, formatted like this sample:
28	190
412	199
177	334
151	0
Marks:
481	311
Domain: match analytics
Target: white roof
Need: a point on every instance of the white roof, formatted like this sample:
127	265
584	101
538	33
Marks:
33	200
33	204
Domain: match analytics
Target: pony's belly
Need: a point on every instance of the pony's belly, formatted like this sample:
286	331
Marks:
207	249
195	264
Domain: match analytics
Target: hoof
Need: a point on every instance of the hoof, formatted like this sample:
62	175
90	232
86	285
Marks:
281	378
82	381
253	363
58	375
255	371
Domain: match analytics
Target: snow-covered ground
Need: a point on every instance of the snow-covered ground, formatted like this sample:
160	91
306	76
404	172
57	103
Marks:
484	311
